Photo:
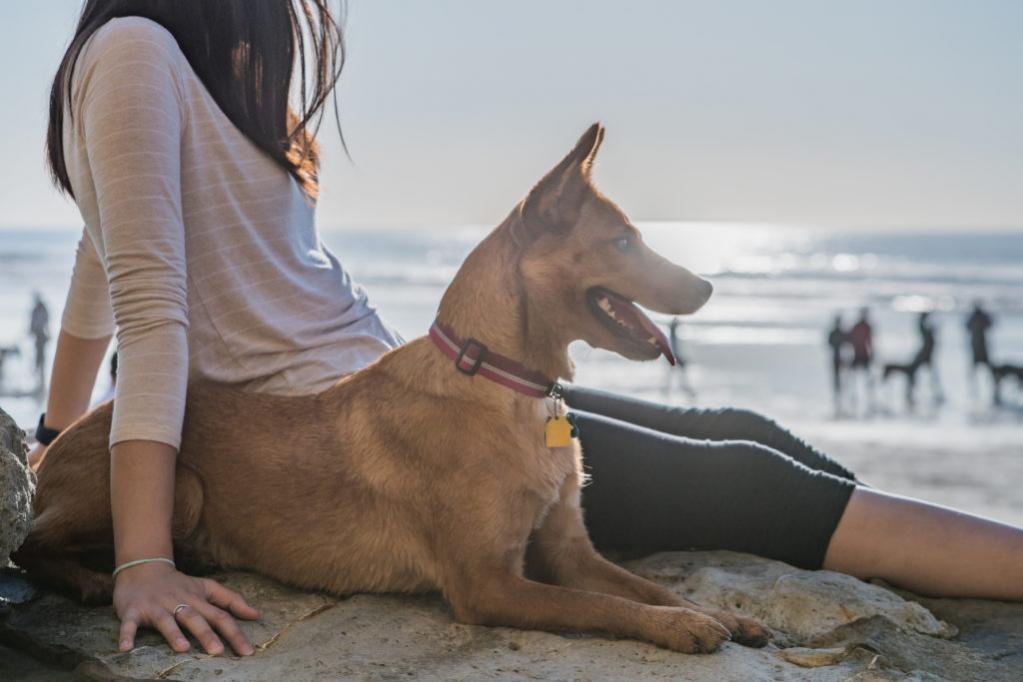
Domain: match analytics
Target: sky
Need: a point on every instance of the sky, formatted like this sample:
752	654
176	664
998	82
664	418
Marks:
862	114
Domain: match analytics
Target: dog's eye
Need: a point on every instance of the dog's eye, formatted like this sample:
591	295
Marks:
623	243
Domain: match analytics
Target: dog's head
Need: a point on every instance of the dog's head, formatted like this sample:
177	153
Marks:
586	265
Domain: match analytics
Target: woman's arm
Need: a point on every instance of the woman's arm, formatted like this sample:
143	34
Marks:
75	365
85	332
132	118
142	497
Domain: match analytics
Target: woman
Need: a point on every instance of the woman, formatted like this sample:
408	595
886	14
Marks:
170	127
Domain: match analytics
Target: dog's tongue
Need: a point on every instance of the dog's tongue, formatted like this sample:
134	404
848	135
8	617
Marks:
661	339
625	307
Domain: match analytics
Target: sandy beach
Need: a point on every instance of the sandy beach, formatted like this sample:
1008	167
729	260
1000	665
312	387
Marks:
983	480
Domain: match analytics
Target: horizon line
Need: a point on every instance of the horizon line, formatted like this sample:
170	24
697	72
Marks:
456	226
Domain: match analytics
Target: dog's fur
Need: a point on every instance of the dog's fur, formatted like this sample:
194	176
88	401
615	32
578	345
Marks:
409	475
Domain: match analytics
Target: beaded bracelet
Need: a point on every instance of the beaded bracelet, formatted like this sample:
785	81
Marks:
137	562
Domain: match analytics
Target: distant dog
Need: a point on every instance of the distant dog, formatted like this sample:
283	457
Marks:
1001	372
910	371
893	368
425	471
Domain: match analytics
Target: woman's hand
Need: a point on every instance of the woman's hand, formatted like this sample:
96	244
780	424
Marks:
147	594
35	456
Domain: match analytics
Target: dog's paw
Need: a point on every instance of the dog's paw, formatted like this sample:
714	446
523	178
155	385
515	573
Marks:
95	591
745	631
690	632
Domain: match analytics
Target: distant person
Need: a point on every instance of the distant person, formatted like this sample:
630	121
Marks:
39	330
978	324
838	338
925	356
680	361
861	337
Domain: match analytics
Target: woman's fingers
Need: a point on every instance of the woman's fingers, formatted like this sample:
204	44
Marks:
192	619
168	627
129	626
149	599
227	627
229	599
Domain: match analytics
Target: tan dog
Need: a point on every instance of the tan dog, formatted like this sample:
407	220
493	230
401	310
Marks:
409	475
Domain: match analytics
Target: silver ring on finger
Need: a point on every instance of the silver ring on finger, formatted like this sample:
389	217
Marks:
178	608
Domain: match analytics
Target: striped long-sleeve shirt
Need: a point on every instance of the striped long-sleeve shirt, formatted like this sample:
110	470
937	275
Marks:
199	249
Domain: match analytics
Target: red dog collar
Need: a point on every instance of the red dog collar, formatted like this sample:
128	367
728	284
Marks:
473	357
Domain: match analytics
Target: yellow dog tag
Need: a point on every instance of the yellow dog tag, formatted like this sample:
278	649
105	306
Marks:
558	432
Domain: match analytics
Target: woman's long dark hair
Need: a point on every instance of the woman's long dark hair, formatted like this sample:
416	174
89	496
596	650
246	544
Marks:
245	52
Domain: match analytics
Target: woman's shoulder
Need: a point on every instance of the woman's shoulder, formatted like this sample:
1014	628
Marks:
129	51
123	39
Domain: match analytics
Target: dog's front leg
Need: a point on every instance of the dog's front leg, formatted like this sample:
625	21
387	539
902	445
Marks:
481	575
502	598
562	550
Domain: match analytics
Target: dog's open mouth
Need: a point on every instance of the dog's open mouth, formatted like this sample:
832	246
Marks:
622	317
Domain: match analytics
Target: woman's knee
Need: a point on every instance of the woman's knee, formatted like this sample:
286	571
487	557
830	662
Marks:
747	424
753	464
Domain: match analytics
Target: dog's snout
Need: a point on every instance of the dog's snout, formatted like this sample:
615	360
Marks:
694	292
705	288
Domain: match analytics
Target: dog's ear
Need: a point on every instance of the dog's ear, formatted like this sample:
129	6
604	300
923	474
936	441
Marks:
555	202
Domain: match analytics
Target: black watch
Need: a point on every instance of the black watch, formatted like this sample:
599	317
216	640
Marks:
44	434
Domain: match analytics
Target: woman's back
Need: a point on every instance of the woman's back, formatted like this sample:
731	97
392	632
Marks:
198	230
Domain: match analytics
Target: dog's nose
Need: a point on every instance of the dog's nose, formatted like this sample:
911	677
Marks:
706	289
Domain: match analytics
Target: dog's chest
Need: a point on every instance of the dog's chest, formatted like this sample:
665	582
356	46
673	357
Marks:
557	463
548	467
555	468
557	434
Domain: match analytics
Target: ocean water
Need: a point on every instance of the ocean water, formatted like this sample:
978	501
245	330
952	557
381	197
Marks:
759	342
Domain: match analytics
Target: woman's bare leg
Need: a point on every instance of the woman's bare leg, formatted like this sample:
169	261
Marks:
926	548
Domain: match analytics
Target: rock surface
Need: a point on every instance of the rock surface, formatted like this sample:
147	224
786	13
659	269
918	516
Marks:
827	627
17	488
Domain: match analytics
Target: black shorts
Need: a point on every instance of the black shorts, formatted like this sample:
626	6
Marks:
671	478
